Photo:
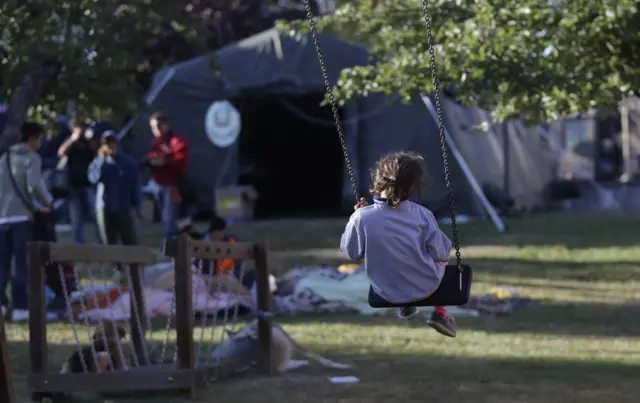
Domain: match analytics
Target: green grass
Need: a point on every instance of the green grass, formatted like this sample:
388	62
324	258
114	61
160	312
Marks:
578	343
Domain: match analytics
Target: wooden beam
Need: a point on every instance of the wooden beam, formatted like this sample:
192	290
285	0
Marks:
221	250
37	311
264	307
184	309
100	253
7	393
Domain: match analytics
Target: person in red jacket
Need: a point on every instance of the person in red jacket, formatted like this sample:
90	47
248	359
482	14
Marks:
168	159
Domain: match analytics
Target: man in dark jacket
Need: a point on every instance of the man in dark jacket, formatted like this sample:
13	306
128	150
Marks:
118	191
79	150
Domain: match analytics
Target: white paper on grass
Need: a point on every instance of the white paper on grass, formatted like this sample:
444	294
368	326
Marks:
344	379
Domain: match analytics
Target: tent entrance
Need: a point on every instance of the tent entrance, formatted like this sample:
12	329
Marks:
290	152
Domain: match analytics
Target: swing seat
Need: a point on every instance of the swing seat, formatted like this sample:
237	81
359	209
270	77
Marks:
454	290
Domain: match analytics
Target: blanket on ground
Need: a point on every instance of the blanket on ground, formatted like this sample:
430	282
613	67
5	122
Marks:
322	289
208	297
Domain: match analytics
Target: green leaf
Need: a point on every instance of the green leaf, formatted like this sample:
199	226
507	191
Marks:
532	58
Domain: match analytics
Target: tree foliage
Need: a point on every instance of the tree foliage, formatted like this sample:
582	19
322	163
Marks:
99	45
538	59
107	51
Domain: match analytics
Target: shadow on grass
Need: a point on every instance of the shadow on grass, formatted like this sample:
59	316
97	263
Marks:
408	377
413	378
553	318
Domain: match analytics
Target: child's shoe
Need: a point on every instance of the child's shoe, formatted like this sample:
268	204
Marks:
408	313
445	325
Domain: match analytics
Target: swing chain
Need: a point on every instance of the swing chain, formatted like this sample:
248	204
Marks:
332	100
443	141
443	138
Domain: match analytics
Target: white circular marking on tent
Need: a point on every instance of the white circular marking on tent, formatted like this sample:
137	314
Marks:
222	123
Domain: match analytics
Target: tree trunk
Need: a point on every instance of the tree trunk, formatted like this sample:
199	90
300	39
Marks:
25	95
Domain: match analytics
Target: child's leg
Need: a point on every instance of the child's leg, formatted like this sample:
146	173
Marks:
440	310
441	322
408	312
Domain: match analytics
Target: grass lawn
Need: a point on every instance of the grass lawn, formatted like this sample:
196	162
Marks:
578	343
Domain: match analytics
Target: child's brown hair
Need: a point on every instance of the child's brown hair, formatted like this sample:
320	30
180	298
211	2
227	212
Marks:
396	175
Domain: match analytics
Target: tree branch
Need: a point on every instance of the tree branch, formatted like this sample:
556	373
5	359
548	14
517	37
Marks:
23	97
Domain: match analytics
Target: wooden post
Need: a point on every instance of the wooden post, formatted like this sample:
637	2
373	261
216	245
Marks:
37	257
7	393
264	306
138	316
184	305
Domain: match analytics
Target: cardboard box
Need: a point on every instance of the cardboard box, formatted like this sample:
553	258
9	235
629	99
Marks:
235	201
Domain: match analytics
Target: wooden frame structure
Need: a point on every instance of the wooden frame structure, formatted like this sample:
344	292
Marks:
7	393
145	377
183	249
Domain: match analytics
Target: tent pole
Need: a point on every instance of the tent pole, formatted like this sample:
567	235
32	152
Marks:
625	140
493	215
506	145
149	99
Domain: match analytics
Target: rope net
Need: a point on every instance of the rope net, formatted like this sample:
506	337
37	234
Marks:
95	324
212	330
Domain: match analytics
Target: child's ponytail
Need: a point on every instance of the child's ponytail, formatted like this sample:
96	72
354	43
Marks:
393	197
395	175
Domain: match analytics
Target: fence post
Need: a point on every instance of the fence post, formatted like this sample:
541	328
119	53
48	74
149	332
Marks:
7	393
263	305
37	255
184	305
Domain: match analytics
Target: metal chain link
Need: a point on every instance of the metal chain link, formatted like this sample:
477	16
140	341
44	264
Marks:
332	100
443	139
436	84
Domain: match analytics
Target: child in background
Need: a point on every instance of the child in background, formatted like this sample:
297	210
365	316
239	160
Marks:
405	252
222	267
217	233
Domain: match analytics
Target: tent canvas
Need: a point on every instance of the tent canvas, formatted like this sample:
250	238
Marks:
272	63
510	155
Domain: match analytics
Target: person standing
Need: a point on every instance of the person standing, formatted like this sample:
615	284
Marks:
119	191
80	149
168	160
20	182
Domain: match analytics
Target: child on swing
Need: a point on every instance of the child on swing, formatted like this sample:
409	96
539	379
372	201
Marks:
404	250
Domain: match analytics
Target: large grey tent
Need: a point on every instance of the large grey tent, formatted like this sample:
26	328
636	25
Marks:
273	67
510	155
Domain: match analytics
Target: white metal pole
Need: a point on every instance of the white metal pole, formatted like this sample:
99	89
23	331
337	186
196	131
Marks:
625	140
493	215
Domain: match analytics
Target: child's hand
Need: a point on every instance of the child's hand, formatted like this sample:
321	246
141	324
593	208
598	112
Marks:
361	203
